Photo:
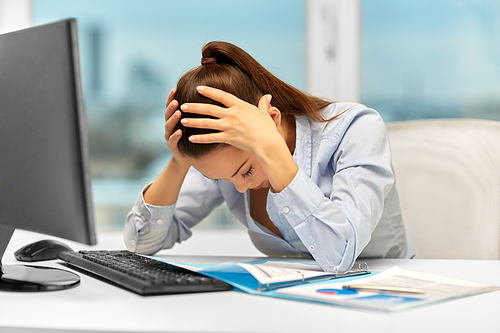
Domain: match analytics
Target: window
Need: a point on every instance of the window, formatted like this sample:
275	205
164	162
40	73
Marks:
133	53
413	60
431	58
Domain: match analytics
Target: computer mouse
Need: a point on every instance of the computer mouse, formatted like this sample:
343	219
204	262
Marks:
42	250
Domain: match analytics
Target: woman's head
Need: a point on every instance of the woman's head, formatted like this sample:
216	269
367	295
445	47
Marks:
221	76
233	70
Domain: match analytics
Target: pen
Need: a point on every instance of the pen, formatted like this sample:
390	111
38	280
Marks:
382	289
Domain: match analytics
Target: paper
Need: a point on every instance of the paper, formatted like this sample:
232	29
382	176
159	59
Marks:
269	274
437	289
262	275
293	265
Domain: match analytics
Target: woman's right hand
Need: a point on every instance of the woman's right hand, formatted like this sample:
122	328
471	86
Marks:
172	117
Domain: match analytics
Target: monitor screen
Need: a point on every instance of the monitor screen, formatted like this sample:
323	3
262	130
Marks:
45	180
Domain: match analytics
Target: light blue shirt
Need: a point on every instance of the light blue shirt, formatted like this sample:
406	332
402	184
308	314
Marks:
341	205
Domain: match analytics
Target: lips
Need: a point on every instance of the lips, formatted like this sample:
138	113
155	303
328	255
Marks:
258	187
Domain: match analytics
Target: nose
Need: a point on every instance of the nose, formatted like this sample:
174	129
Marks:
241	185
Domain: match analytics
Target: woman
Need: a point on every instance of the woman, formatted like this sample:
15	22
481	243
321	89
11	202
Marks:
307	177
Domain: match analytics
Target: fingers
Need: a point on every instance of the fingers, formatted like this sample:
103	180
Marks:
170	97
171	108
223	97
206	123
218	95
265	102
173	139
218	137
171	104
171	123
204	109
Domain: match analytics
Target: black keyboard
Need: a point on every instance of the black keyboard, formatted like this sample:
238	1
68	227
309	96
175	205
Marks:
142	275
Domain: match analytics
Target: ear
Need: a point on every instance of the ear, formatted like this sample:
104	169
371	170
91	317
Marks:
275	115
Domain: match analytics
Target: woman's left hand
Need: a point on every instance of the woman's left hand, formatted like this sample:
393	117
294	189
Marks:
241	124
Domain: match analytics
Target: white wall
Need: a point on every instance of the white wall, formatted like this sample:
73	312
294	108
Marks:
14	15
333	49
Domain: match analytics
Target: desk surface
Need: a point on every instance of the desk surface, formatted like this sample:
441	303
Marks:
98	306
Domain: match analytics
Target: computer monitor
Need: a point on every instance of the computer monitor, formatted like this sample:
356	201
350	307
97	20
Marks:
45	180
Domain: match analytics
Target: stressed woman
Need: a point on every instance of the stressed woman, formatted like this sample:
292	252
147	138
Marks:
305	176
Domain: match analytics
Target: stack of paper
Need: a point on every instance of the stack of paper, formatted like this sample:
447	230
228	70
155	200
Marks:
392	290
425	289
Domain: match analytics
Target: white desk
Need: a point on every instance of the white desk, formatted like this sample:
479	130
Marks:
98	306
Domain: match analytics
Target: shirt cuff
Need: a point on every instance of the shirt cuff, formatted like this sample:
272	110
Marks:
148	225
300	199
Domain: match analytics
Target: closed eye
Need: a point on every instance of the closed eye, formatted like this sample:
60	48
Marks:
248	173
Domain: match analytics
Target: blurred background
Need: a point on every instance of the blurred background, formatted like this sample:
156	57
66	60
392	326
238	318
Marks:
406	59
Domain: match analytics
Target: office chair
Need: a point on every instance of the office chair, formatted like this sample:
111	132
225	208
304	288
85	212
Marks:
448	178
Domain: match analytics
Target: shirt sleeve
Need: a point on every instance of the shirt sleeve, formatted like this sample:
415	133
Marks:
335	224
149	228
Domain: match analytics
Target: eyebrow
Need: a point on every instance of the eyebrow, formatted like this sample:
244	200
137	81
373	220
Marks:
241	166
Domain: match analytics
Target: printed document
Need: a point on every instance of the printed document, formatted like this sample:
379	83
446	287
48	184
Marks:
433	288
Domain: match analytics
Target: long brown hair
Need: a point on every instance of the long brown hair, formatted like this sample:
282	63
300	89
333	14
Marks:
239	74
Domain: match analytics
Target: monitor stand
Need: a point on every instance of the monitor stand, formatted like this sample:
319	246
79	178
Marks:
31	277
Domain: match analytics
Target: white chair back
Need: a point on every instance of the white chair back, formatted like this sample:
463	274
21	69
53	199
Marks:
448	178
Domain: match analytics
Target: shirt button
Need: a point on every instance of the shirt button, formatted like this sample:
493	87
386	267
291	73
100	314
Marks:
159	221
143	218
132	242
311	248
286	209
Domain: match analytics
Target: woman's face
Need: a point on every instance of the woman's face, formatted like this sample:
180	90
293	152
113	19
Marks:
234	165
